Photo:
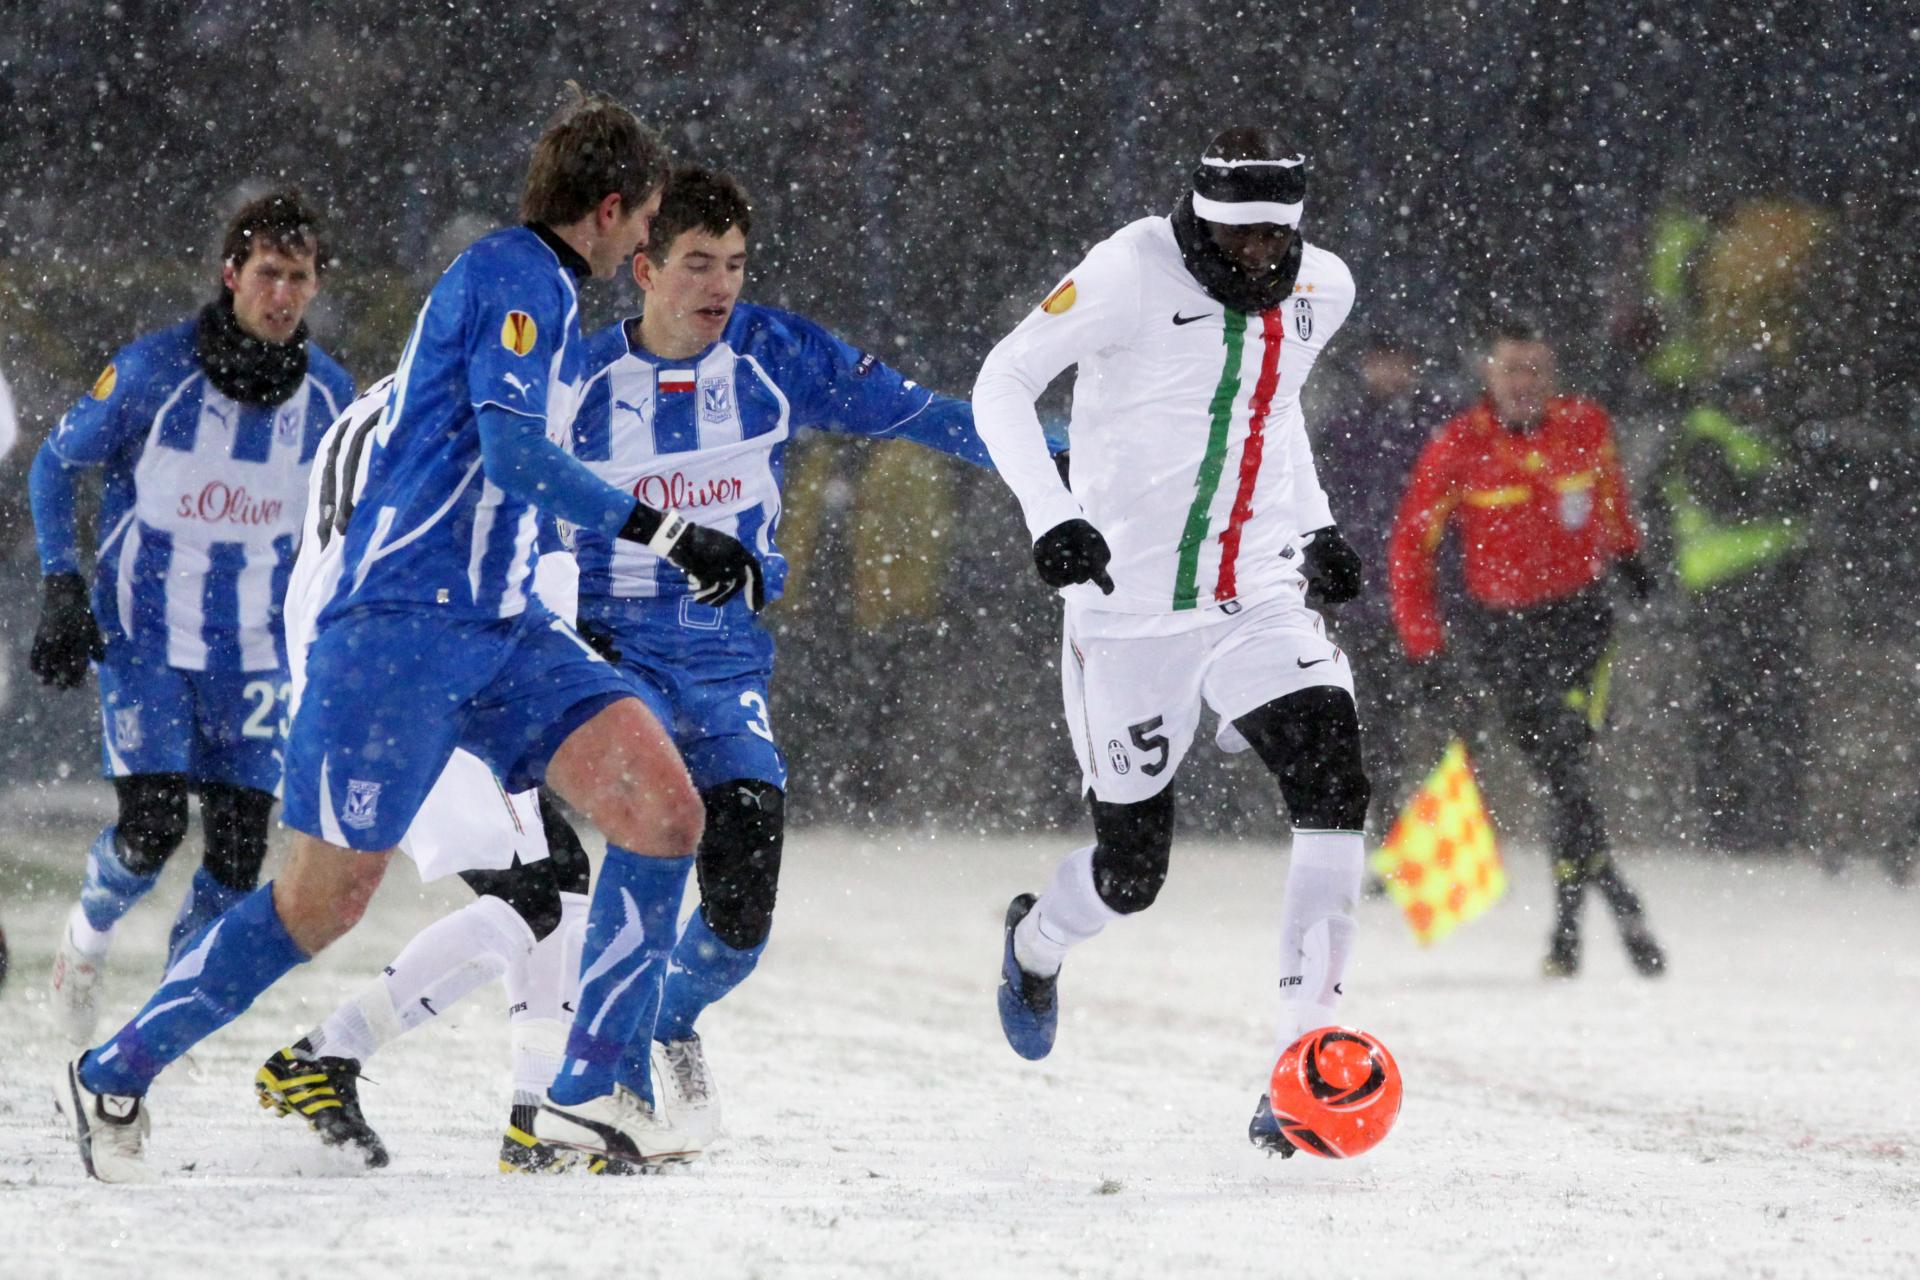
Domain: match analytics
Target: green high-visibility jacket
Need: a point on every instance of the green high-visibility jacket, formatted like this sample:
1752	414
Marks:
1717	536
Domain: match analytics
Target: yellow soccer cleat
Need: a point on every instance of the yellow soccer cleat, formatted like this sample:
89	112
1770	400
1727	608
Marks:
325	1092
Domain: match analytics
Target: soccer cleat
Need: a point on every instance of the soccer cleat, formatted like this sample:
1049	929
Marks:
325	1092
1263	1131
1649	961
619	1128
111	1130
521	1152
1029	1011
76	991
692	1100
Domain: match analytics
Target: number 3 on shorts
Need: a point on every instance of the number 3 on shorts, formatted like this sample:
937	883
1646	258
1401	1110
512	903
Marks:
265	695
760	724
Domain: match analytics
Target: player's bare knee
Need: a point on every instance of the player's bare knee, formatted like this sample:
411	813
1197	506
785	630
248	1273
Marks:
152	819
681	818
664	819
1132	849
325	891
739	862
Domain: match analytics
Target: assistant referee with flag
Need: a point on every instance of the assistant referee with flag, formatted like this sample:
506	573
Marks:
1531	477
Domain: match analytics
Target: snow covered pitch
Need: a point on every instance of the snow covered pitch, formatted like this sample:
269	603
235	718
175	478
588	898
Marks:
1753	1114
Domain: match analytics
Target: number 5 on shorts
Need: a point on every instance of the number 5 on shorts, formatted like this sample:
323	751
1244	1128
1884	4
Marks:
1145	739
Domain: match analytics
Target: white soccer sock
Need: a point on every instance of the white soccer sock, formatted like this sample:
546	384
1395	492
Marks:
445	962
1316	929
1067	914
540	990
88	941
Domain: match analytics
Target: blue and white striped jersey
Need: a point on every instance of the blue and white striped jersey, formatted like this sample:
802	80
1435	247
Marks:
201	504
706	436
501	328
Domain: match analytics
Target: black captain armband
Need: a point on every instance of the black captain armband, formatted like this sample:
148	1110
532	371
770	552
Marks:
658	531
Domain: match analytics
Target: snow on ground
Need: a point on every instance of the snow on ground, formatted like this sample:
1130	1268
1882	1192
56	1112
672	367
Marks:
1753	1114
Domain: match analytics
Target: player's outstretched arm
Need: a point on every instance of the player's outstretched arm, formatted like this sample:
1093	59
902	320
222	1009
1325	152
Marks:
522	462
851	391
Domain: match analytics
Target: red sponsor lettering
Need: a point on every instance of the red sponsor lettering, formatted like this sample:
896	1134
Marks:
221	503
687	495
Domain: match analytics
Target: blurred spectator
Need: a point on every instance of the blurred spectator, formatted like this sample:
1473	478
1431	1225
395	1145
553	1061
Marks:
1733	488
1366	454
1530	476
9	424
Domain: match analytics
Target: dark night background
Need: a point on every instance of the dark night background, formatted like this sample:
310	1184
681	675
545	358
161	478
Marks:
922	174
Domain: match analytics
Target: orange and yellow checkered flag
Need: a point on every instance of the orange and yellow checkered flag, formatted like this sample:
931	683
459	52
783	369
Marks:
1439	862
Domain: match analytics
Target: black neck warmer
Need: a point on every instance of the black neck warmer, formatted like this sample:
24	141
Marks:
1223	279
243	367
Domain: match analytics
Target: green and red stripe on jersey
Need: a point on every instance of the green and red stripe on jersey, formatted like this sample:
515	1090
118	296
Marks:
1206	485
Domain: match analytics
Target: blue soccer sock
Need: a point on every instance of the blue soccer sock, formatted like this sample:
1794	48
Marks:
704	969
630	933
206	899
110	889
233	960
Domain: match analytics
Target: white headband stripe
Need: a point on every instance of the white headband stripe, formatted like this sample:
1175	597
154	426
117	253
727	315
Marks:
1248	212
1213	163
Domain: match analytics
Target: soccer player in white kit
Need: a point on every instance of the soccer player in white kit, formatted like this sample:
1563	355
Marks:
1189	549
522	860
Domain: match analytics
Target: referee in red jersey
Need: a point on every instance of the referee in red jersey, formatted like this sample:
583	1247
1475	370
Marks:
1530	479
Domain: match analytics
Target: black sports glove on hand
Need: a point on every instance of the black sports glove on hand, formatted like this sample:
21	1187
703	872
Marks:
1332	568
720	567
68	635
1639	578
1073	552
600	640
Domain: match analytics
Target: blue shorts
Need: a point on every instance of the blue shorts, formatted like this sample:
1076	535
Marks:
212	726
704	673
390	693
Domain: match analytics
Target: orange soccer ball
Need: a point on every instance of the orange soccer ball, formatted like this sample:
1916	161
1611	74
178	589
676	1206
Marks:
1335	1092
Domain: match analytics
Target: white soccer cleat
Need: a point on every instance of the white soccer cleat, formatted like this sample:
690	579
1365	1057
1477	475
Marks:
693	1102
76	991
111	1130
619	1127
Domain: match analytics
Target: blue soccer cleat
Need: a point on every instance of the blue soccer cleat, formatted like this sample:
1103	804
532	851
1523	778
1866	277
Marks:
1029	1012
1263	1131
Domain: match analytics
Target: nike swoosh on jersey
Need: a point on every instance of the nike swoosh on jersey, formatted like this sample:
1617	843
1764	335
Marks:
1180	319
1316	662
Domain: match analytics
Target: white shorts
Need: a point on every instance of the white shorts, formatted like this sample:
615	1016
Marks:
469	822
1133	692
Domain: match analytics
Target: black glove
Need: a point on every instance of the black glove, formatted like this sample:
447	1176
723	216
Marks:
1639	578
600	640
718	565
1332	568
1073	552
1060	462
68	635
